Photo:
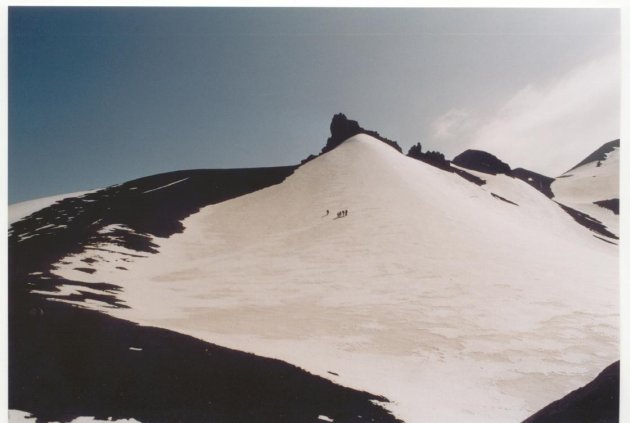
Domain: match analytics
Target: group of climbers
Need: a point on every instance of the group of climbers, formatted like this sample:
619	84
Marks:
340	214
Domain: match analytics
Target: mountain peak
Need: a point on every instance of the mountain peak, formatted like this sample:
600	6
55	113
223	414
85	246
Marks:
599	154
342	128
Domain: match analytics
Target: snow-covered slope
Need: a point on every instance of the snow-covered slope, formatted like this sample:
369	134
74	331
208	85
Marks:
590	182
454	303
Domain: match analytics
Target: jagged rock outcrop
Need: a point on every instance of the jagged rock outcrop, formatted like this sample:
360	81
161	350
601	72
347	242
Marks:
342	128
482	162
437	159
434	158
415	151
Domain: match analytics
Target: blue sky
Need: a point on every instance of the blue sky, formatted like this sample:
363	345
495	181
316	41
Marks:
98	96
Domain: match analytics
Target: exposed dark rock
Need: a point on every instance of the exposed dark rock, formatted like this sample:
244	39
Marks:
105	293
437	159
498	197
85	269
588	222
599	154
605	240
482	162
468	176
612	204
596	402
342	128
434	158
541	182
415	151
308	159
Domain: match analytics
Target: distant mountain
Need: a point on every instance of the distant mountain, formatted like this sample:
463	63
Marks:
598	155
592	187
334	290
589	192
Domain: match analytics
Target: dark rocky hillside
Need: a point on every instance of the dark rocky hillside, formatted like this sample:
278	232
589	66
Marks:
66	361
149	206
596	402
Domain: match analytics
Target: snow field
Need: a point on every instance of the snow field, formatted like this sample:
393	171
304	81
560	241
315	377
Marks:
453	304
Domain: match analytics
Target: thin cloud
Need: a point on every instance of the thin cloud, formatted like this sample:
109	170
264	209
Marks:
452	124
548	128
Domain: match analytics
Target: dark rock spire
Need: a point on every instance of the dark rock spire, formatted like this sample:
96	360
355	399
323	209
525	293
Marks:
342	128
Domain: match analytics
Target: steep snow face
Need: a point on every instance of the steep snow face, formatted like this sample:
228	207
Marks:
595	181
451	302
